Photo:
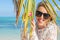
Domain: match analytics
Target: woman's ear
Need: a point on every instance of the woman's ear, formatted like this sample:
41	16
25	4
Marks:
50	18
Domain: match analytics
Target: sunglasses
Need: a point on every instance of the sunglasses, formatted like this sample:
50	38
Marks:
45	15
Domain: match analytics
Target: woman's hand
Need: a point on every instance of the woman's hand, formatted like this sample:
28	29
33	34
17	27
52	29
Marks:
24	37
33	26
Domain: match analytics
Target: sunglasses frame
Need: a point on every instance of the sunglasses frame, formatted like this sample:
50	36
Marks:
45	15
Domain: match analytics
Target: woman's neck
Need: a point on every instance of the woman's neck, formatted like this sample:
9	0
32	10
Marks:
41	27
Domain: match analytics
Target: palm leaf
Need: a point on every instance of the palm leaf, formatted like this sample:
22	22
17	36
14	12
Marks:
18	6
56	4
28	7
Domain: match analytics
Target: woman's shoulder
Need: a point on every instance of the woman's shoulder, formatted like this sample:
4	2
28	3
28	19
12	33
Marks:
52	26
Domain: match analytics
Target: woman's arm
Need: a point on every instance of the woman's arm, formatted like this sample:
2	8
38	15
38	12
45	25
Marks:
34	35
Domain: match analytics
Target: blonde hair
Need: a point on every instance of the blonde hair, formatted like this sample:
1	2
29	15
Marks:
47	6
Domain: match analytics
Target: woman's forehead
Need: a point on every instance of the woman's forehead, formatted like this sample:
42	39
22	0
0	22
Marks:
42	9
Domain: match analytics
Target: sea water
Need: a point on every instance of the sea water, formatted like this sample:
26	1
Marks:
8	30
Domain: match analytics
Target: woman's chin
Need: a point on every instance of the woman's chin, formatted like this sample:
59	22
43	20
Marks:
40	24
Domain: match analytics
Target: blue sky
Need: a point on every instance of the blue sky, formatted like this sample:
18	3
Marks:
7	8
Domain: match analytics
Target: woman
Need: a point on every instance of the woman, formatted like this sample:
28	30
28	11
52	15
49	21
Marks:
45	28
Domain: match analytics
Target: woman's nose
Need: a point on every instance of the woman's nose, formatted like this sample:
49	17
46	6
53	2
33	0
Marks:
41	17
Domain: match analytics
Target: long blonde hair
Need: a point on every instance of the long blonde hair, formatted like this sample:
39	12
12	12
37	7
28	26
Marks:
49	10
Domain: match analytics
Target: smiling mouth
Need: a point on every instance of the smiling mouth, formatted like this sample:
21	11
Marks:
40	21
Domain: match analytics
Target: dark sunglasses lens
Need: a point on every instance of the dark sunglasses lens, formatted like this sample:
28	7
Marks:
46	16
38	14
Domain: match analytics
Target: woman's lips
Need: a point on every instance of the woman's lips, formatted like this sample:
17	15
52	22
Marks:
40	21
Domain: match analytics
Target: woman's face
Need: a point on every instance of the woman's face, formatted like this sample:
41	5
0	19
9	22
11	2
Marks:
42	17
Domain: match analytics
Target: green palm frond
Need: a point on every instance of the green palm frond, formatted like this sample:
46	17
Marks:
29	7
56	4
18	6
52	8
